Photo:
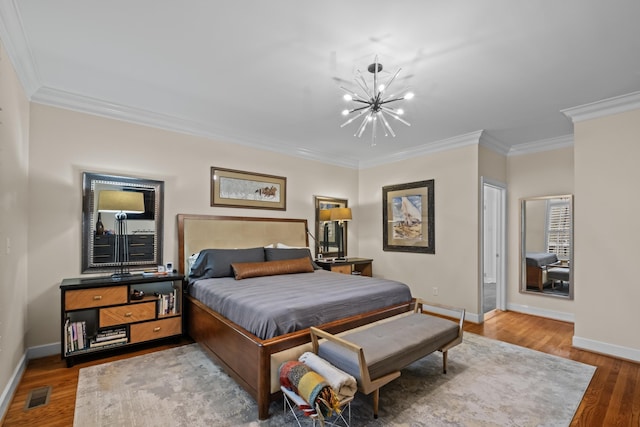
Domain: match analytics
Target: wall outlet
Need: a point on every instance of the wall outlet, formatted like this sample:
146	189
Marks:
435	291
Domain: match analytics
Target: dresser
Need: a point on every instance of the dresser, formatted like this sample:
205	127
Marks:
103	313
140	247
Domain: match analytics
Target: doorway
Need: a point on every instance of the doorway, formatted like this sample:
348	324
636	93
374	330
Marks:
492	277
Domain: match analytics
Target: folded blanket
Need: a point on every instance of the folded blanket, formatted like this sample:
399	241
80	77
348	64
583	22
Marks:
310	386
342	383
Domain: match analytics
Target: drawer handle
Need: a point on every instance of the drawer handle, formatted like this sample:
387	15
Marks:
157	329
97	297
127	314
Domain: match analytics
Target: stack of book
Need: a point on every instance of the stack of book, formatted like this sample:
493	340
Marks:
109	337
167	304
75	337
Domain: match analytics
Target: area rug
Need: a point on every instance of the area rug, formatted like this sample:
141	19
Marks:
488	383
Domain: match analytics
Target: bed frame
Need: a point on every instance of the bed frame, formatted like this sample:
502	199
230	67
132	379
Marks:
242	355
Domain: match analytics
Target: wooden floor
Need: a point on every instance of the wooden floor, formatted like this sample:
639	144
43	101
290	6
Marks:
612	399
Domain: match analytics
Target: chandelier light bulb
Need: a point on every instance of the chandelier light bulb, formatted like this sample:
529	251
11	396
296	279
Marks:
372	103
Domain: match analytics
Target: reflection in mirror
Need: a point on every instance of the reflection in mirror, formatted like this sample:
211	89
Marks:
546	252
327	232
144	229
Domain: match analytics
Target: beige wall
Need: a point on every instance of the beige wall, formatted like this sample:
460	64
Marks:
14	169
538	174
65	143
607	231
453	268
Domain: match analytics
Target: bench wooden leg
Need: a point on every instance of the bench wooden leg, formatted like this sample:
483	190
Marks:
444	362
376	399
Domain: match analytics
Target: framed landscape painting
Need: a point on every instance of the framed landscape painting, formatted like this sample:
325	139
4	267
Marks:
239	189
408	219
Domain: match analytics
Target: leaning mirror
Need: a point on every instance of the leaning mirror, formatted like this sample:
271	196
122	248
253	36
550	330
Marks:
546	250
327	232
140	246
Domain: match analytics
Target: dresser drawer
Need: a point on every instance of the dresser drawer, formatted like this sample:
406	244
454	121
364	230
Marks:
344	269
127	314
95	297
154	330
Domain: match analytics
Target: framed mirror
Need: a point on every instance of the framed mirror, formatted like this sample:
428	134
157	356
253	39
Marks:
546	250
327	232
101	250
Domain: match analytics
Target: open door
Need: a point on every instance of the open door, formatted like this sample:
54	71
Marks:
492	279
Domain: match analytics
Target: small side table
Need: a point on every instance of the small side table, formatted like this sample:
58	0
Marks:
360	266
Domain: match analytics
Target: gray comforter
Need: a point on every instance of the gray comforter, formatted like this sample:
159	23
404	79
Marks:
274	305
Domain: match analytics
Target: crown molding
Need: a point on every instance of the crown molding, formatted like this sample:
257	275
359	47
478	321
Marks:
14	40
541	145
429	148
494	144
605	107
97	107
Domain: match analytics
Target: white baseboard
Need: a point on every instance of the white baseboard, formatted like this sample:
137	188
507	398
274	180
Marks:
614	350
16	377
43	350
551	314
12	385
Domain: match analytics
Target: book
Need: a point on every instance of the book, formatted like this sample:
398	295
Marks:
95	344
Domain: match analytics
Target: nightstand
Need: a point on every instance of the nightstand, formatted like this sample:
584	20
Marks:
360	266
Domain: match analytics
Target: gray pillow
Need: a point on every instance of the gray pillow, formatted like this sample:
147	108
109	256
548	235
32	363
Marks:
217	262
279	254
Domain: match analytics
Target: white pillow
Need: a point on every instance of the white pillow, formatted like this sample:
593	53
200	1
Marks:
190	262
283	246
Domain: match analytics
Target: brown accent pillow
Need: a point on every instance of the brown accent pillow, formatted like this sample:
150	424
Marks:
244	270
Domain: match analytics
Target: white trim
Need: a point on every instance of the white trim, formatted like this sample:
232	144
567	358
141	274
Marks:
602	108
541	145
472	138
614	350
550	314
43	350
12	386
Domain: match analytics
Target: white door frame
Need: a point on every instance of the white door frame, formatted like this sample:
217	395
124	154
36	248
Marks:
501	245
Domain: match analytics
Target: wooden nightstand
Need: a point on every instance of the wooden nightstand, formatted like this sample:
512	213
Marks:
361	266
102	313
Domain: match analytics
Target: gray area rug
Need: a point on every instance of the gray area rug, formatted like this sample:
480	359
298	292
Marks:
488	383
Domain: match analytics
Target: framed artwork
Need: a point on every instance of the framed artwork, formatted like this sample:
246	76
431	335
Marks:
239	189
408	217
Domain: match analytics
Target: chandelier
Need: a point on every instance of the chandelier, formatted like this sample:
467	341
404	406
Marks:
373	103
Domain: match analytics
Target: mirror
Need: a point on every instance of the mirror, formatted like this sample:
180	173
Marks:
327	232
546	250
143	229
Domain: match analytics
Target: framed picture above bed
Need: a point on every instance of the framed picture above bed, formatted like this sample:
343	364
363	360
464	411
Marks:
408	219
240	189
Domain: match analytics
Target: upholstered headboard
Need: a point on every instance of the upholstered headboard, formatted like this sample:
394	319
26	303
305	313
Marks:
198	232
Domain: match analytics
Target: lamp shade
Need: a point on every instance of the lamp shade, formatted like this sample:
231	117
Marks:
340	214
324	215
120	201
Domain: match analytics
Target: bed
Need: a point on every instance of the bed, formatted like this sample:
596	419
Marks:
252	355
537	266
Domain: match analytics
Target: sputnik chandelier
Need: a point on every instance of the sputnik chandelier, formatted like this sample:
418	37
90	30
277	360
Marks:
373	103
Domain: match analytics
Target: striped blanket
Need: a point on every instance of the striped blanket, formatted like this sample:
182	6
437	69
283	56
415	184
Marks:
309	385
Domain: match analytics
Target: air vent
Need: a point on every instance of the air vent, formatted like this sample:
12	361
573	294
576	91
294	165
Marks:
37	397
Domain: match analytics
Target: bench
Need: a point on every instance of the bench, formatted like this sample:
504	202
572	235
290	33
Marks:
376	354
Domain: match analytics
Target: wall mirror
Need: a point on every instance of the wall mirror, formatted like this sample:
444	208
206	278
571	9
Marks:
546	250
143	229
327	232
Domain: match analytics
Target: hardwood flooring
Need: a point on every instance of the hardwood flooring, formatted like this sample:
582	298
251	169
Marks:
612	399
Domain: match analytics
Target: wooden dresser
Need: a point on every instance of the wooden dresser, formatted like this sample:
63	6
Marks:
103	313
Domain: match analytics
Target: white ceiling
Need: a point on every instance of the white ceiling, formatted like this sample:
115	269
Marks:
267	73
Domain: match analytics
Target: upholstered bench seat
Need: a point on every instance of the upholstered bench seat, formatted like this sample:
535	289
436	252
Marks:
375	355
391	346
